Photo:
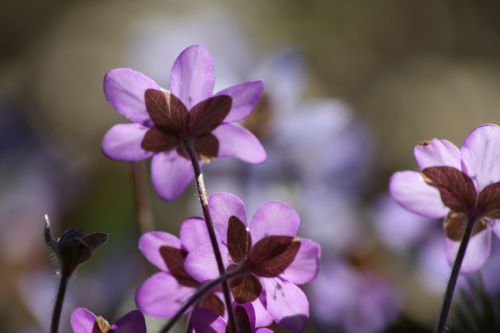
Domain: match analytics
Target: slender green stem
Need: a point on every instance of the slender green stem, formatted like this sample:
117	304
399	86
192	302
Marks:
202	291
452	282
202	194
58	306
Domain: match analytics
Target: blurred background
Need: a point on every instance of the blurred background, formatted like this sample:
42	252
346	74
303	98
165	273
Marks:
351	87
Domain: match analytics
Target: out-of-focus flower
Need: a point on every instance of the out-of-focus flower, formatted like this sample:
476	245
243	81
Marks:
206	321
459	184
189	114
84	321
267	250
399	228
346	300
165	292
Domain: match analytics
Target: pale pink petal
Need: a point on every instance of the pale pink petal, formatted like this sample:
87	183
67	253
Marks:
245	96
480	155
260	315
124	89
150	243
287	304
170	174
274	218
82	320
192	78
410	191
123	142
193	233
161	295
237	141
200	263
477	252
437	152
222	206
305	266
206	321
132	322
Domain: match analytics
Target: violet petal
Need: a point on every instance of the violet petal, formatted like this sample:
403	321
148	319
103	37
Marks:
477	252
123	142
437	152
245	96
150	243
305	266
192	78
132	322
237	141
82	320
274	218
410	190
124	89
170	174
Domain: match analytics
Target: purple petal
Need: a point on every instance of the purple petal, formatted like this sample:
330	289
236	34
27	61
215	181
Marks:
237	141
192	77
132	322
206	321
82	320
410	191
305	266
274	219
201	265
222	206
170	174
245	96
123	142
124	89
496	227
161	295
193	233
287	303
150	243
263	330
437	153
477	252
260	315
480	155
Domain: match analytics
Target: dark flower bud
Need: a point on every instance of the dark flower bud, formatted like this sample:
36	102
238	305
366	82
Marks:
73	247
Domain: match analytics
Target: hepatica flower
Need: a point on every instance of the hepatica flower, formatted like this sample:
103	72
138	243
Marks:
84	321
457	184
164	122
272	259
165	292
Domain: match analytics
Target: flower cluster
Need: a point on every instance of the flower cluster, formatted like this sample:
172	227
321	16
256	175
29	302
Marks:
230	274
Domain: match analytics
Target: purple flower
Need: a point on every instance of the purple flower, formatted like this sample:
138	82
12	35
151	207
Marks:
267	250
206	321
457	184
189	114
165	292
84	321
346	300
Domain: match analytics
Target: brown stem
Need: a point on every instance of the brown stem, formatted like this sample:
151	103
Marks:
58	306
144	215
202	194
452	282
202	291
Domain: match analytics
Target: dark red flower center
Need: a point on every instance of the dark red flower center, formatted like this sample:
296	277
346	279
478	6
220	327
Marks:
175	126
458	193
269	257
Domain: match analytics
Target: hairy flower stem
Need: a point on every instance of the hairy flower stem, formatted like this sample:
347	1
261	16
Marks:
144	216
202	194
58	306
452	282
202	291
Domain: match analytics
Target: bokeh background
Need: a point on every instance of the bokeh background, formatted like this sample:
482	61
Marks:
351	87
